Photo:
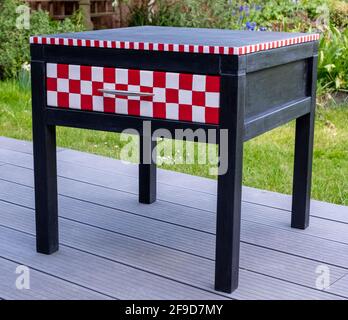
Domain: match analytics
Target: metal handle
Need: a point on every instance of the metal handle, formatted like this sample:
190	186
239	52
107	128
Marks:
127	93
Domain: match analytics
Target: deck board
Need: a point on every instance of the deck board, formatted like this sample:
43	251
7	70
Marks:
42	286
285	239
103	225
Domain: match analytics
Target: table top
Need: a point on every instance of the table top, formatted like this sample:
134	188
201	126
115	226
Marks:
191	40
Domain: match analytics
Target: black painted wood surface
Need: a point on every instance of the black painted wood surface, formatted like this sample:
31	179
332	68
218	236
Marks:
180	35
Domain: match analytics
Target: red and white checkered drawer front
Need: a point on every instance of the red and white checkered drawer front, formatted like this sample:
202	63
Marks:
176	96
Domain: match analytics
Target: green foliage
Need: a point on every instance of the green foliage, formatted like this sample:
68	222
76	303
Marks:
333	61
272	15
277	15
14	42
339	13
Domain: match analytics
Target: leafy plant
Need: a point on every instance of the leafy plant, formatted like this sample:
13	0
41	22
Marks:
339	13
272	15
333	61
14	42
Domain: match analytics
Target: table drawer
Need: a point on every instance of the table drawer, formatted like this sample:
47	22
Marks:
154	94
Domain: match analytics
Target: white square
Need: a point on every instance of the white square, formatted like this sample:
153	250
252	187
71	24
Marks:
185	97
198	82
51	70
109	86
98	103
212	99
121	76
97	74
146	109
62	85
52	99
172	111
198	114
121	106
159	94
172	80
74	101
135	89
74	72
86	87
146	78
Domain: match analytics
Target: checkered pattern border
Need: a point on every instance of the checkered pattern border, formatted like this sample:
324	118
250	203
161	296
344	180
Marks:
188	48
177	96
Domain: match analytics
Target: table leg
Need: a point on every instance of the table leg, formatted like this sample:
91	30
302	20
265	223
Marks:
229	195
45	167
147	171
302	171
303	157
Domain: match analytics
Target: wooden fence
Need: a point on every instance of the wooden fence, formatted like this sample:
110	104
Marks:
98	14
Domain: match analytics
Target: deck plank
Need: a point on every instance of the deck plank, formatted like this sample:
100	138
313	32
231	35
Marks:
282	239
340	286
42	286
273	263
176	265
91	271
19	145
103	225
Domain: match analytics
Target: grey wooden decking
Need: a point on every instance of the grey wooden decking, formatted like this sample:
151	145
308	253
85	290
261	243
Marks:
112	247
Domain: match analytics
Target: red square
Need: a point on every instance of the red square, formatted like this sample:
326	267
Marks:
212	115
148	90
185	112
86	73
185	81
198	98
134	77
63	71
95	88
51	84
74	86
63	99
109	105
86	102
122	87
212	84
172	96
134	107
159	110
109	75
159	79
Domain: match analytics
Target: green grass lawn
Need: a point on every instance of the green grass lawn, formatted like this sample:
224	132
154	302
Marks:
268	159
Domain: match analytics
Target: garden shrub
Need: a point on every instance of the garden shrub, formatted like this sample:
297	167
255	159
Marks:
14	42
276	15
272	15
339	13
333	61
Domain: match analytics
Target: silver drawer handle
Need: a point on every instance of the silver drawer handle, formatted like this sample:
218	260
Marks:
127	93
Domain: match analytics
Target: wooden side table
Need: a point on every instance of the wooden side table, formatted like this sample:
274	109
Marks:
176	78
